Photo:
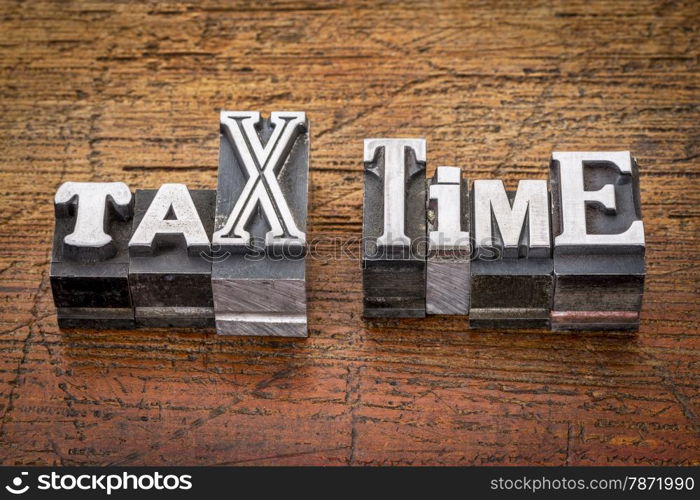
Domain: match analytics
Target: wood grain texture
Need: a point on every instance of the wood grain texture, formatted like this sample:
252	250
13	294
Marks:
131	92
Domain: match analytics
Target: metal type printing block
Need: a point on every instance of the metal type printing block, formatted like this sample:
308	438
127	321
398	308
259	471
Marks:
511	277
598	241
447	268
170	261
90	260
258	273
394	228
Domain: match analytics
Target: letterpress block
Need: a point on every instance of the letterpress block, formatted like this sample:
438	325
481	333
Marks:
90	260
511	278
394	228
447	273
259	279
598	241
170	265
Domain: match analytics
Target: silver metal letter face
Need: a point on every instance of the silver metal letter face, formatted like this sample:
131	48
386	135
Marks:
598	241
393	233
511	278
531	203
262	165
258	273
447	272
574	198
90	259
171	215
394	228
89	200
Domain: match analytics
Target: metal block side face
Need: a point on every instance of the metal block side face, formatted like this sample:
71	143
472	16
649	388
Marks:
171	290
174	317
599	264
511	292
509	318
598	293
394	278
259	288
512	267
260	267
447	288
110	291
394	289
261	325
508	324
613	327
97	323
259	296
595	320
514	313
96	318
393	307
167	285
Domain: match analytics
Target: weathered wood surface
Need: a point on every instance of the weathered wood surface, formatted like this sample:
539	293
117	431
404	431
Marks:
131	92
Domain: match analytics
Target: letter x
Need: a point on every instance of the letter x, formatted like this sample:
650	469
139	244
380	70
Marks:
262	164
